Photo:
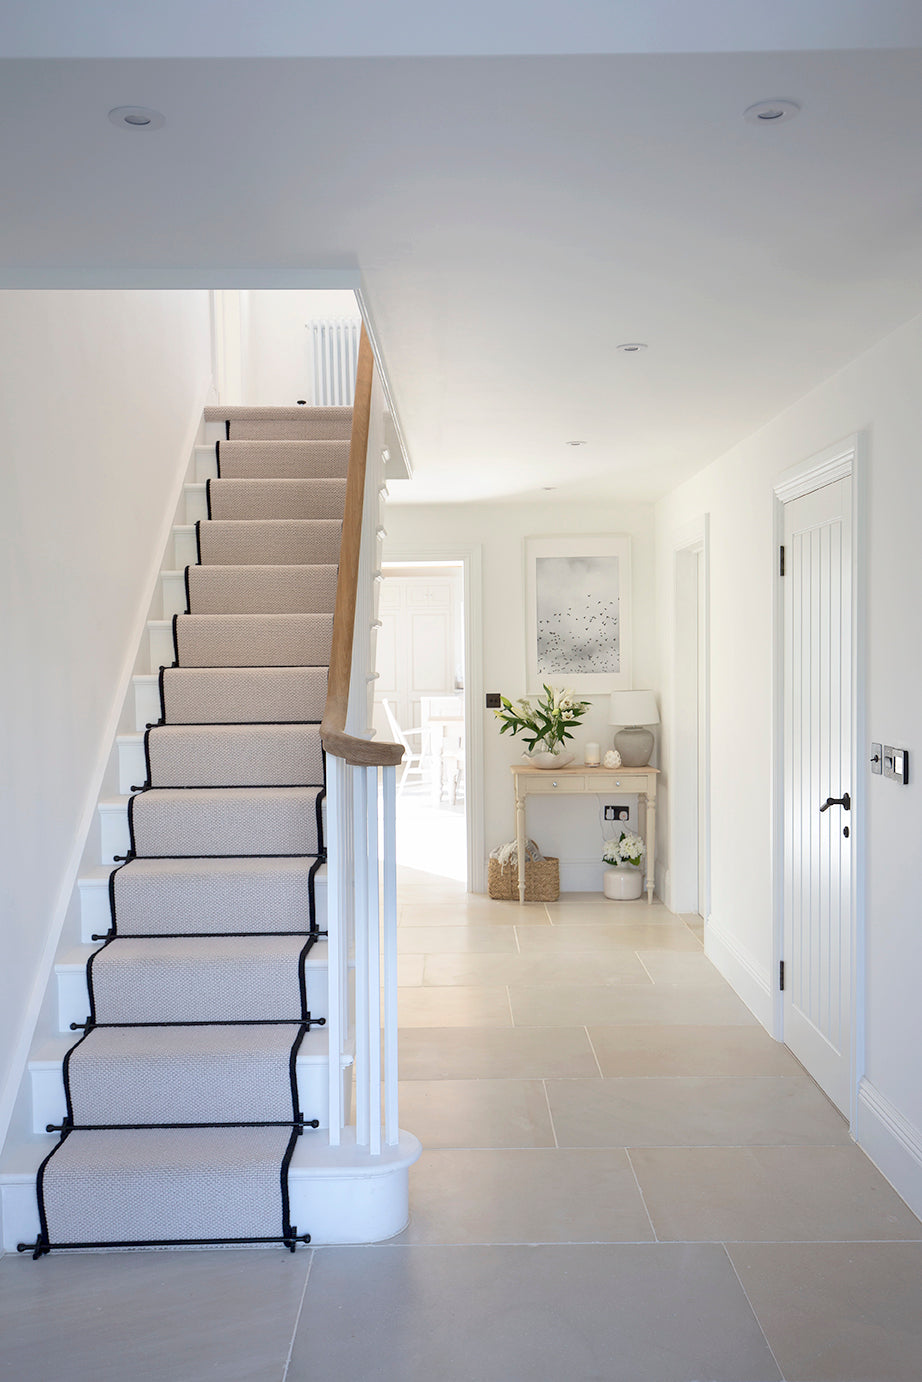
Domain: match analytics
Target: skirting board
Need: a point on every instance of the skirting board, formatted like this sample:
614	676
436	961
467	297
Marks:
740	970
892	1143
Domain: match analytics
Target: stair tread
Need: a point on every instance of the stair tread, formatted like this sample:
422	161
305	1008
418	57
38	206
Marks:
217	412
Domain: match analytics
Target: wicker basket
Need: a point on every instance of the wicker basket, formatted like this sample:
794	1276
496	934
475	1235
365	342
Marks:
542	881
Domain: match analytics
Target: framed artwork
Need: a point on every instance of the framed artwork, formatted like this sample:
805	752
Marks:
578	610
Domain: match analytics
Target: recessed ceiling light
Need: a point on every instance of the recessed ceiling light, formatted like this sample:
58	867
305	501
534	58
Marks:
576	443
771	112
632	347
137	118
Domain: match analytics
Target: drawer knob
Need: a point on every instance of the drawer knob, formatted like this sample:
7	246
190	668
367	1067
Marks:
553	784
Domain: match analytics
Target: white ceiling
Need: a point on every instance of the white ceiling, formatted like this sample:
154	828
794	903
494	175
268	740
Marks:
512	218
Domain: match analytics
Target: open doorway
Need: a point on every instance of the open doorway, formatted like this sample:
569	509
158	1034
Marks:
420	702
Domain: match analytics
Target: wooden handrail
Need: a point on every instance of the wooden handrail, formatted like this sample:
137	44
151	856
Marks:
362	753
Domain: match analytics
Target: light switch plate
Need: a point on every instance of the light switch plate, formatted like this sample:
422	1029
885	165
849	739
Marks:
896	763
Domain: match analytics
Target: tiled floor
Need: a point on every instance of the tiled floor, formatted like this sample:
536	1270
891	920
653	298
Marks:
625	1180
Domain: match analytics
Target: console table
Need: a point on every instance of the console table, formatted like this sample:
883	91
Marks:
638	782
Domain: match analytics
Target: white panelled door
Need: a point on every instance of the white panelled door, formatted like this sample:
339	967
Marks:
818	775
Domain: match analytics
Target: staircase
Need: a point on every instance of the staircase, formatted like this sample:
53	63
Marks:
207	1099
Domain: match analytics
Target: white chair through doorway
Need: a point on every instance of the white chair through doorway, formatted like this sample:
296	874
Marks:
413	758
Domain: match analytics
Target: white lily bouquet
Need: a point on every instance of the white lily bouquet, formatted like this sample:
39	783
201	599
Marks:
545	722
629	849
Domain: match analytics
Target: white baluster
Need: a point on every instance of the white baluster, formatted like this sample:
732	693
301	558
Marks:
391	1124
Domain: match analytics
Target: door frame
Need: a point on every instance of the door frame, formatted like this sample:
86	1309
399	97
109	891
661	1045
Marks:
845	460
689	543
470	556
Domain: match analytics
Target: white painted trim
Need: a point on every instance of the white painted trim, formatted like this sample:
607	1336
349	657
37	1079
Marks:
394	467
892	1142
682	797
740	969
228	343
835	463
16	1065
470	555
142	276
847	459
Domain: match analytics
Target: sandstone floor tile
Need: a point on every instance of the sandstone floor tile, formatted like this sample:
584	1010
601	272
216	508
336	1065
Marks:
632	1004
660	1050
476	1113
837	1312
484	1053
694	1111
769	1194
536	1196
453	1007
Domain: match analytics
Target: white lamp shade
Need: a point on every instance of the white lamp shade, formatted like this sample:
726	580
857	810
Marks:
632	708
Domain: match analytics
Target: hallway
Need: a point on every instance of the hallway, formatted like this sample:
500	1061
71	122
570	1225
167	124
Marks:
625	1179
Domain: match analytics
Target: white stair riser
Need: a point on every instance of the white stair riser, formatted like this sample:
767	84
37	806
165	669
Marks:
214	431
132	766
113	830
74	1001
146	701
196	503
49	1104
19	1208
185	550
206	464
160	641
173	593
95	915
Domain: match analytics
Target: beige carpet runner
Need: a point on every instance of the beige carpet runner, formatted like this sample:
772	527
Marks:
182	1097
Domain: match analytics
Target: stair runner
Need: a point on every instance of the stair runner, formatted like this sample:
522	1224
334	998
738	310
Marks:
182	1098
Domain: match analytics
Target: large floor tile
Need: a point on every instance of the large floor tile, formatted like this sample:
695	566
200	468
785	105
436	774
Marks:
602	937
160	1316
769	1194
454	1007
638	1313
457	940
484	1053
536	971
633	1004
480	913
410	970
836	1312
476	1113
538	1196
694	1111
595	908
652	1050
683	967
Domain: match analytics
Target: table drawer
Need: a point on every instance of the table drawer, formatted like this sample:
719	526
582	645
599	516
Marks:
550	782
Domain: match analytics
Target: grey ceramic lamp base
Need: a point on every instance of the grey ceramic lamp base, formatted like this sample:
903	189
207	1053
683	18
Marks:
635	746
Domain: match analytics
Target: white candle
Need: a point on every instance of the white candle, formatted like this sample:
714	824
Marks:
591	757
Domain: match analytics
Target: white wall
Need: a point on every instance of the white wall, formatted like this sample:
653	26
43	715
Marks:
278	360
570	829
878	393
100	393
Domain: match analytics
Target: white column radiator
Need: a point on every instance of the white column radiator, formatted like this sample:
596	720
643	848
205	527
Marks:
335	353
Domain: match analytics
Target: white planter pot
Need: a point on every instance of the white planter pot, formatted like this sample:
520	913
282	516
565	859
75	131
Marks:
544	759
624	883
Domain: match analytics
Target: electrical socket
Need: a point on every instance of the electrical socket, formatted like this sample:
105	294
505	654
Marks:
617	813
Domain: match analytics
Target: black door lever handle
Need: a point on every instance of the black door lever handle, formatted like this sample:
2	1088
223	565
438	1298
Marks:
845	800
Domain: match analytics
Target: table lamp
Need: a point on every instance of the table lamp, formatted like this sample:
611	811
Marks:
632	710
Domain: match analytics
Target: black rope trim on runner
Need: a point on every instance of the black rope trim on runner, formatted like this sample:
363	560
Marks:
289	1234
214	1022
185	581
217	458
298	1122
208	497
302	975
65	1071
198	542
41	1246
297	1115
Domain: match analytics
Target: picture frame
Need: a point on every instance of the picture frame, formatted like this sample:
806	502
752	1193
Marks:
578	613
